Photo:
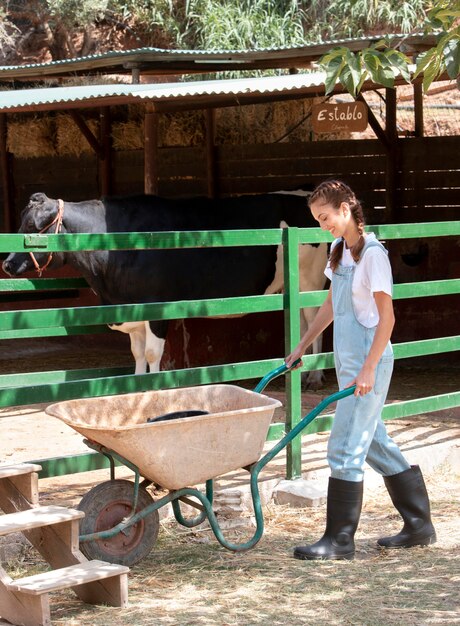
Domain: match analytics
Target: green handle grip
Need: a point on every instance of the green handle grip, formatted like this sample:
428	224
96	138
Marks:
273	374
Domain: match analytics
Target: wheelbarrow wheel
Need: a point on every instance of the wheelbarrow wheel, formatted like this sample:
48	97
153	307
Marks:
105	506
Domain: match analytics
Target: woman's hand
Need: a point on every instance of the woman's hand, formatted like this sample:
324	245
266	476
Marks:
296	355
366	378
364	381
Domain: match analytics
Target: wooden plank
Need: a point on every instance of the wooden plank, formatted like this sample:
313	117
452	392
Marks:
36	518
6	471
180	156
6	178
76	191
427	153
267	183
45	168
105	160
150	151
418	109
233	186
303	167
20	609
211	161
23	486
412	214
431	197
66	577
184	187
298	150
437	179
392	158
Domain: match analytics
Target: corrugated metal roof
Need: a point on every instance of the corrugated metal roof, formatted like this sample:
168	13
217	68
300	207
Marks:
160	61
190	92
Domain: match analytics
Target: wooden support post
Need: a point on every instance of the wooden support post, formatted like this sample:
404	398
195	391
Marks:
90	138
151	151
374	123
419	174
105	159
392	161
7	184
418	109
211	165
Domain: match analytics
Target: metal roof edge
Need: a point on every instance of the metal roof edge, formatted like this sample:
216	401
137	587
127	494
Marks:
122	58
173	95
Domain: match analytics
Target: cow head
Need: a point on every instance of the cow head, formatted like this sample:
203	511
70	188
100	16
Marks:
39	216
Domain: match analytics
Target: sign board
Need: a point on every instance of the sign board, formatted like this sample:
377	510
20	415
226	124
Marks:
330	118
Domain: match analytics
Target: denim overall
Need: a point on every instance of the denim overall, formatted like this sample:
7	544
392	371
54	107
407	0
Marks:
358	433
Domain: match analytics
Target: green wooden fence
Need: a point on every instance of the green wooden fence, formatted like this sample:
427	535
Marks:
53	386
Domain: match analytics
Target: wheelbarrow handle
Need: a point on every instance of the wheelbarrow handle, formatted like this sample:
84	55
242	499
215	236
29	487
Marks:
298	428
273	374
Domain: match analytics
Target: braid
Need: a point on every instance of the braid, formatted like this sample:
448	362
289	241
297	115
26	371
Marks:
335	192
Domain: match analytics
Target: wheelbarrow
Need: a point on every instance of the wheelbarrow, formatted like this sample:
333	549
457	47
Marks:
224	430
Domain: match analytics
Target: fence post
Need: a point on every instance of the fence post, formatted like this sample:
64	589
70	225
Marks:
291	339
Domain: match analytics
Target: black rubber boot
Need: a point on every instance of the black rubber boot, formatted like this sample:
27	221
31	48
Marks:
344	502
408	493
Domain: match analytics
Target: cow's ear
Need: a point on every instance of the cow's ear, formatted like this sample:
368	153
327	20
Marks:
41	210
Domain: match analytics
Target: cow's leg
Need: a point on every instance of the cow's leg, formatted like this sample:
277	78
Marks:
137	338
154	345
314	379
312	261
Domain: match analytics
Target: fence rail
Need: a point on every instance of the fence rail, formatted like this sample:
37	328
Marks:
53	386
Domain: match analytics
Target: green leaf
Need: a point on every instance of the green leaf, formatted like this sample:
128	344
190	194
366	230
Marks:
354	65
364	77
451	54
431	72
337	52
333	71
385	76
347	81
401	62
333	63
424	60
371	61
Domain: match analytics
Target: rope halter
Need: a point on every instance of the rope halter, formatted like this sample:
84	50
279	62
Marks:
58	221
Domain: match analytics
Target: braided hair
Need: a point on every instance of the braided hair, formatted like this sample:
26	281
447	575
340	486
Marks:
334	192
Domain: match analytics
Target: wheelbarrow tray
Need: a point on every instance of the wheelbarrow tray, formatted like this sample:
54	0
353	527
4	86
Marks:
181	452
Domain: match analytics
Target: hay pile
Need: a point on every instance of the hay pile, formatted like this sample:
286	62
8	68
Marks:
185	128
128	135
264	123
57	134
32	138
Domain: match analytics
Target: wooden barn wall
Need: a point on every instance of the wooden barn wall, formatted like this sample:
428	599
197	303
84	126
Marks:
428	190
428	173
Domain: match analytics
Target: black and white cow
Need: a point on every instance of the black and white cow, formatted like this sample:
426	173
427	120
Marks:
141	276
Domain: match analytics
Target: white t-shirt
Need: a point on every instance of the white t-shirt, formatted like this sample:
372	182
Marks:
372	273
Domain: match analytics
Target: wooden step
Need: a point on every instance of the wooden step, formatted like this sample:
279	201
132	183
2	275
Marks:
36	518
16	470
66	577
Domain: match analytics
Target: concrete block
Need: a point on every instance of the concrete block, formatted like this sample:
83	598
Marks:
266	489
301	493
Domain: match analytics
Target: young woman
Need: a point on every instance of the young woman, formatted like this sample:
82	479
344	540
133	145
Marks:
360	304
